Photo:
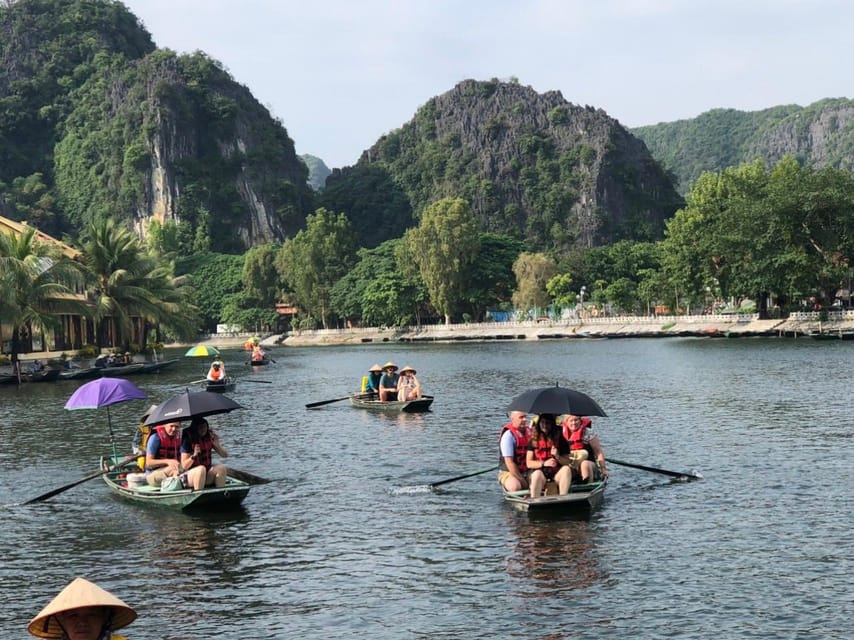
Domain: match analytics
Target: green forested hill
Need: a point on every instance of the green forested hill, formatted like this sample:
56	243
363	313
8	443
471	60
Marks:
533	166
821	134
95	122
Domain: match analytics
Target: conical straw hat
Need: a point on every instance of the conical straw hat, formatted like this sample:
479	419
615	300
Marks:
80	593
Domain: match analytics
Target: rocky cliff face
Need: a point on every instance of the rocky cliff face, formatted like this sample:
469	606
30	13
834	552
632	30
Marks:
531	164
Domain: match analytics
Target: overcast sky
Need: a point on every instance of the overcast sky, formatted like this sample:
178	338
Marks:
340	73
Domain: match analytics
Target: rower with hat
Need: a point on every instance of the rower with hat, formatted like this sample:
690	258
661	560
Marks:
82	611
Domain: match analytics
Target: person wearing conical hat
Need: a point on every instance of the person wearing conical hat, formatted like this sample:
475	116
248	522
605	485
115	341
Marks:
388	382
371	382
408	387
140	437
82	611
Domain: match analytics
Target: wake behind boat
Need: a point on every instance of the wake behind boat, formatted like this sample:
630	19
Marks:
411	406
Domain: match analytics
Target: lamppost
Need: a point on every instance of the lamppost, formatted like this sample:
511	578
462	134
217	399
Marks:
581	298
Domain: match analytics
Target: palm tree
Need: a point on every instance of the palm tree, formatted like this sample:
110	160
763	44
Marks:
36	286
125	282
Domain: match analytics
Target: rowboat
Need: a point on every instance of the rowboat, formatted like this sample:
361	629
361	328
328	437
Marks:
412	406
582	499
220	386
231	495
154	367
121	371
45	375
81	374
260	363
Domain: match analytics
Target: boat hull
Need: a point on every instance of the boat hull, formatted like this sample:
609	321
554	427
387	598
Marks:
582	499
260	363
231	495
219	387
413	406
88	373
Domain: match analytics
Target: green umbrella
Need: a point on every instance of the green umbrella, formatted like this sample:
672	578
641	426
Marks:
202	350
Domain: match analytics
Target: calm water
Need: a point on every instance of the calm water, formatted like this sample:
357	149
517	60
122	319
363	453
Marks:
347	542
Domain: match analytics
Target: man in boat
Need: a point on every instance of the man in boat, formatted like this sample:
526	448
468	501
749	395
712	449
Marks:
513	448
82	611
216	373
408	387
584	447
163	458
388	382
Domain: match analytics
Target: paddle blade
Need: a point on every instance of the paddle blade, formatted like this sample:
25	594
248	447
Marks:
245	476
688	475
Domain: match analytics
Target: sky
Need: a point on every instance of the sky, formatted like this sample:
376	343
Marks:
339	74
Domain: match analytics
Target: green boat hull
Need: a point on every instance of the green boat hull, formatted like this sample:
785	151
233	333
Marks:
413	406
231	495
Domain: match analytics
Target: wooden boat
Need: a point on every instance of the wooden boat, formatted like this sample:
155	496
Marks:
231	495
87	373
260	363
412	406
154	367
45	375
582	498
122	370
228	384
8	378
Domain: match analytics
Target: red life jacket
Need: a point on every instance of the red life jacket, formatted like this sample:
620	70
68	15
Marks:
169	447
206	445
522	440
576	438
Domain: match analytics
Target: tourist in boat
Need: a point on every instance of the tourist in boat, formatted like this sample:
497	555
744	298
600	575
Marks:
408	387
198	442
584	448
140	437
371	382
388	382
216	373
547	457
36	366
258	354
163	458
513	451
82	611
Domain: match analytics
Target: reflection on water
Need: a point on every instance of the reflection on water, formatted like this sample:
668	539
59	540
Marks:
350	541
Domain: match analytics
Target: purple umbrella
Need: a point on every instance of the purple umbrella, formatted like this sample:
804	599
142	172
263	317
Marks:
102	393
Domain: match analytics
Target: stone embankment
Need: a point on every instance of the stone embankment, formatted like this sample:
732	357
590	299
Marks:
799	324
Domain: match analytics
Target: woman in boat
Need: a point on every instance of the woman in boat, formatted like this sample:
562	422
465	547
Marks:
408	387
388	382
548	458
216	373
584	447
371	382
198	442
513	450
258	354
82	611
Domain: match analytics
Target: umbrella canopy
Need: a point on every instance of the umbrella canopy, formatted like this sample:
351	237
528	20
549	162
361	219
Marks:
202	351
186	406
556	400
103	392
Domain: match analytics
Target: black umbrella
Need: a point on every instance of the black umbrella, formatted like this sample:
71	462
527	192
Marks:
556	400
186	406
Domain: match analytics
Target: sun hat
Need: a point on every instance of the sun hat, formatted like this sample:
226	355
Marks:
376	368
78	594
148	412
408	368
390	365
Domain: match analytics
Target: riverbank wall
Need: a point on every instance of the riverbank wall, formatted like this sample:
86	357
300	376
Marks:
839	324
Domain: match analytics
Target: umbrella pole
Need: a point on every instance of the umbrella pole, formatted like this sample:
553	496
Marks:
112	438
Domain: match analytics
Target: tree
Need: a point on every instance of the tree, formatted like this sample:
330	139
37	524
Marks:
311	262
492	281
533	271
126	282
443	248
36	284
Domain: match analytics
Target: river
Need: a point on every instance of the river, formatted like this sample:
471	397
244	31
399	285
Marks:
349	542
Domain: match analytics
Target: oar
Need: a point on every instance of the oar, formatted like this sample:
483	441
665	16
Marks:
256	381
674	474
432	485
247	477
198	381
50	494
312	405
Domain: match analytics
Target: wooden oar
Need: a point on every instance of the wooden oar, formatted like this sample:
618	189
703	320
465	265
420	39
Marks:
247	477
674	474
198	381
312	405
256	381
468	475
53	492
